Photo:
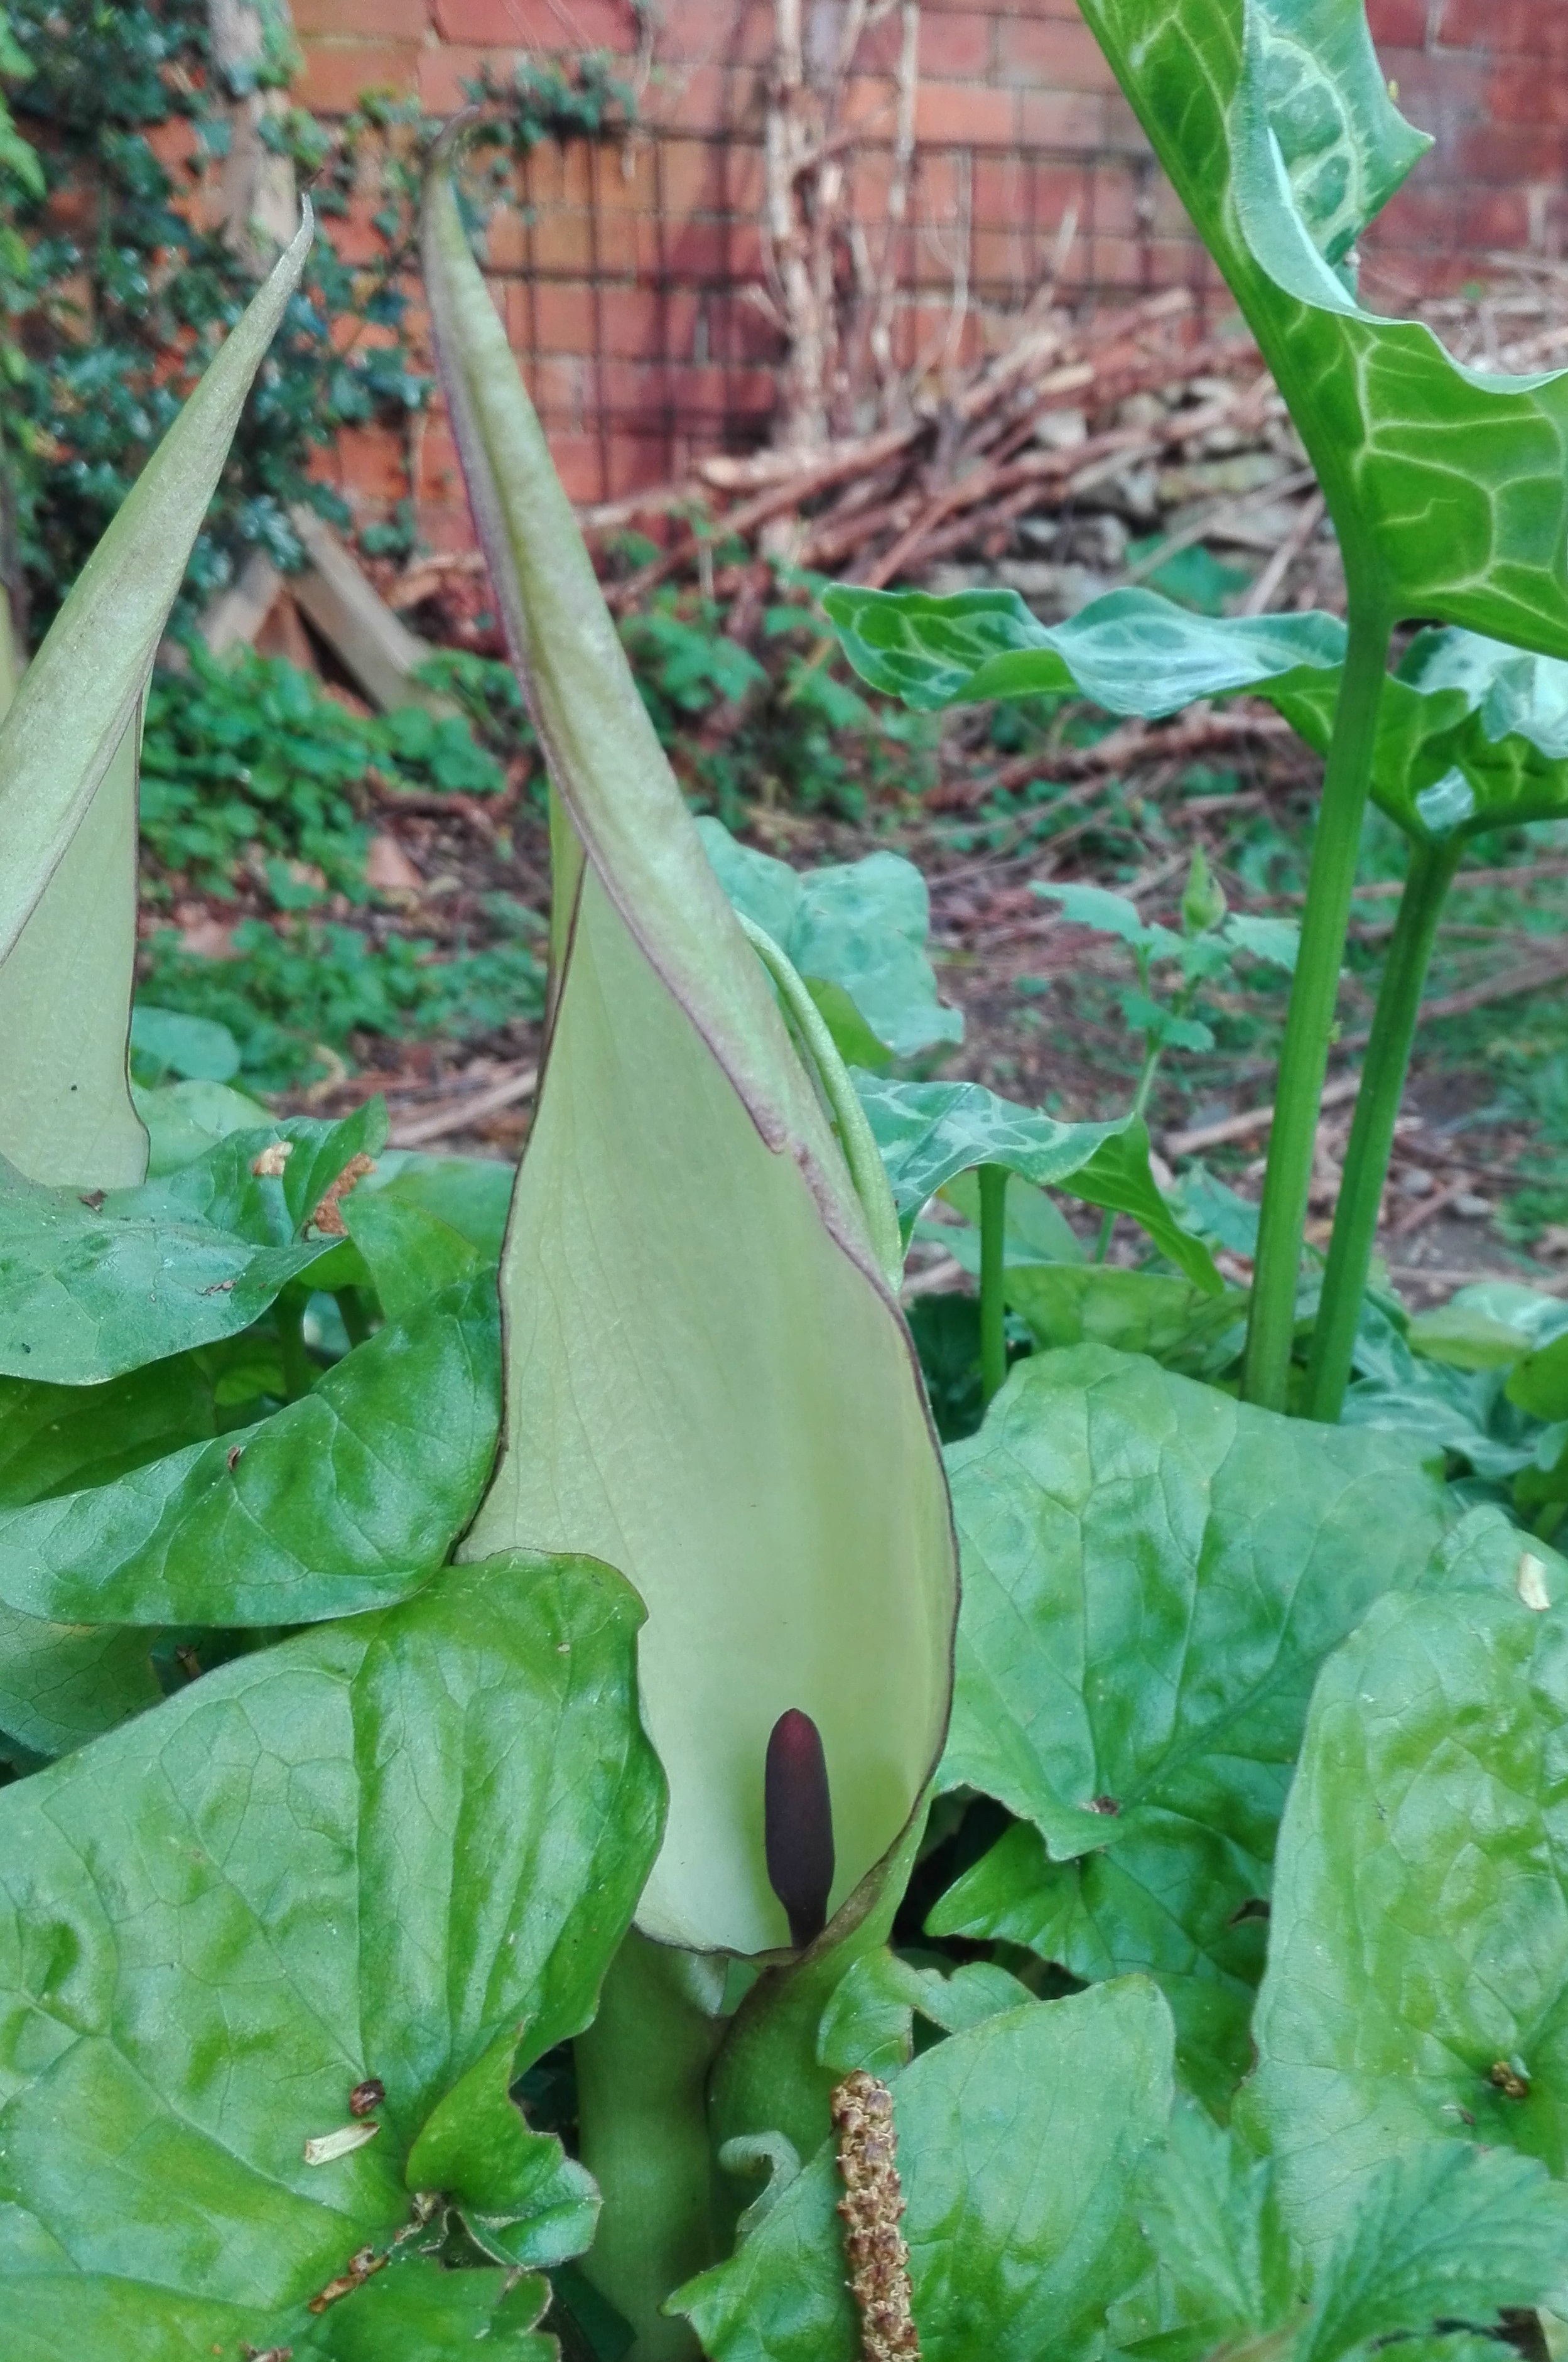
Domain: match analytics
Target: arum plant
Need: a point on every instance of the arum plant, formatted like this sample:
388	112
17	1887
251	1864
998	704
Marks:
1447	487
1471	736
68	793
707	1379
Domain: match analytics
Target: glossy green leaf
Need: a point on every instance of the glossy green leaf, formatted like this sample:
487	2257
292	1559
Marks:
1448	487
1445	2235
1538	1382
869	2022
1471	735
1130	652
344	1500
1223	2267
708	1380
1148	1312
411	1842
1417	1977
61	1685
861	925
1118	1178
68	793
930	1132
92	1286
183	1120
169	1043
60	1438
472	1194
1017	2146
1441	2231
1152	1574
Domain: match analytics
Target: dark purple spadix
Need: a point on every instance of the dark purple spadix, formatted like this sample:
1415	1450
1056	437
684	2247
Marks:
797	1824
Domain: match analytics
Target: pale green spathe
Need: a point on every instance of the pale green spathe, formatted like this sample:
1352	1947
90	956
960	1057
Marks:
708	1383
65	993
68	779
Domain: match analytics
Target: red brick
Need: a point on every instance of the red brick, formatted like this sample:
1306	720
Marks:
695	31
1050	54
446	70
1524	95
1456	214
367	464
1404	22
1525	155
572	26
562	318
387	20
959	114
336	72
955	49
1521	29
1051	119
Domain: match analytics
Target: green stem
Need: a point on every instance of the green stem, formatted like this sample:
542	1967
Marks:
1308	1029
1107	1231
1372	1132
642	2078
355	1319
298	1370
993	1265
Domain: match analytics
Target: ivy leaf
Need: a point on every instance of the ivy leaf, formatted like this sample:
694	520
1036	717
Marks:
713	1386
1448	487
346	1499
91	1287
1009	2254
410	1839
1417	1977
68	786
861	925
1130	652
1152	1574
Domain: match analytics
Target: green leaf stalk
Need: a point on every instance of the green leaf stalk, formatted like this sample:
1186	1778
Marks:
1383	1074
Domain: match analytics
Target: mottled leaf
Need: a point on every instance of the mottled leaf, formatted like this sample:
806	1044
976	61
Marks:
1130	652
1448	486
861	925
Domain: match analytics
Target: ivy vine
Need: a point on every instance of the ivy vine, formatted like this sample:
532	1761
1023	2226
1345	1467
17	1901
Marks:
114	294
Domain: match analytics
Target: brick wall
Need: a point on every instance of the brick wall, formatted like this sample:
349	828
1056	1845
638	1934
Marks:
624	274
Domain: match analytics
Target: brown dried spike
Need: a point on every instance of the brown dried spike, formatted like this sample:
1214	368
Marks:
872	2203
327	1218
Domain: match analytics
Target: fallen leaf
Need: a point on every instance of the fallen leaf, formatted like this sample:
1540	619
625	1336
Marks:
389	870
